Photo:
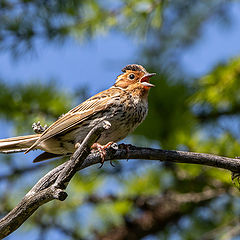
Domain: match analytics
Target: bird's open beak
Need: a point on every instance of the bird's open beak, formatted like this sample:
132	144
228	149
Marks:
145	80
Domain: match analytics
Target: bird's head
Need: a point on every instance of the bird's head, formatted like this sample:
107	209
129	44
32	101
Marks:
134	77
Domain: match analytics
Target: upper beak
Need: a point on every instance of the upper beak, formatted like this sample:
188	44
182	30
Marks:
145	80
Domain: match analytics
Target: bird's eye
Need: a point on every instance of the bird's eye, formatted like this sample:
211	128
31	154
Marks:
131	76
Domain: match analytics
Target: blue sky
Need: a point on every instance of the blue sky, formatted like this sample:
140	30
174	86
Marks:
97	62
217	44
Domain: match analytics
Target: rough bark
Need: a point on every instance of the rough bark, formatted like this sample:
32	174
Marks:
53	184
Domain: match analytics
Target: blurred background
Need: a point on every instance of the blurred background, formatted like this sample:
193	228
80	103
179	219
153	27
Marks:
55	54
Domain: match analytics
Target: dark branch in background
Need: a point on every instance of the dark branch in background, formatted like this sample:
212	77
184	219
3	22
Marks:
53	184
143	201
152	217
156	213
213	115
227	230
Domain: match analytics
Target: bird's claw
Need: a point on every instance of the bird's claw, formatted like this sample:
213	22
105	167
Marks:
102	150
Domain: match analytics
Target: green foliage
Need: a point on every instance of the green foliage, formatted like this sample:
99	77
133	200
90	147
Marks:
144	183
199	115
25	21
39	102
219	91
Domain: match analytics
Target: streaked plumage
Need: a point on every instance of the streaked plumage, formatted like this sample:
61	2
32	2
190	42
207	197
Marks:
124	105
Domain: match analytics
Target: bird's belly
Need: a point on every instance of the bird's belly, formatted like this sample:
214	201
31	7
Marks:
58	145
116	133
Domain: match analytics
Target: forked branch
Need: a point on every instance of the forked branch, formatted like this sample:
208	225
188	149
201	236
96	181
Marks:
53	184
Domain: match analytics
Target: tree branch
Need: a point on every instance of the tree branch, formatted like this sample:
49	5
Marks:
53	184
215	114
42	193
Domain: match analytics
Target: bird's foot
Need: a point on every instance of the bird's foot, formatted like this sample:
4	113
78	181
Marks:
102	150
37	127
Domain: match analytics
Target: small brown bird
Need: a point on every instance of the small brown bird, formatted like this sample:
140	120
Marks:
124	105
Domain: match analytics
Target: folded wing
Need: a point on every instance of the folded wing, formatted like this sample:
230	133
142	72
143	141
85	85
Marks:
77	115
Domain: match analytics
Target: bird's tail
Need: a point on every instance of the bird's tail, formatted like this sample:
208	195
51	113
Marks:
17	144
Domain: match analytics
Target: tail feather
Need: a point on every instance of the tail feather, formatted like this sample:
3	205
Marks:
45	156
18	144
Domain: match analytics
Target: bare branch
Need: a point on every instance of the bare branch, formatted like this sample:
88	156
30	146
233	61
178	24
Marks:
53	184
215	114
42	193
38	128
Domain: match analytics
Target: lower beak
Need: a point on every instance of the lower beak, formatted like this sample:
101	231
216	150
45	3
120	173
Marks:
145	80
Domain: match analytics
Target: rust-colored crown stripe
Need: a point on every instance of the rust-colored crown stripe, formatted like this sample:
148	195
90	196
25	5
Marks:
134	67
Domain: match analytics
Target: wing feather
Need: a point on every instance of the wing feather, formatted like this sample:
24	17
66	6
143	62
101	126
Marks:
78	114
71	119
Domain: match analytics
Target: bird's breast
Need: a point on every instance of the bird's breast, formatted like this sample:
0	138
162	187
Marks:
124	119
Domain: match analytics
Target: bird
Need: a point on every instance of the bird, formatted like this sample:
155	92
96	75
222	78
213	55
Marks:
124	105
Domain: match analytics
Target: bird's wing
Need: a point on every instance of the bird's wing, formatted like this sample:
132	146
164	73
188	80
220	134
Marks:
78	114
